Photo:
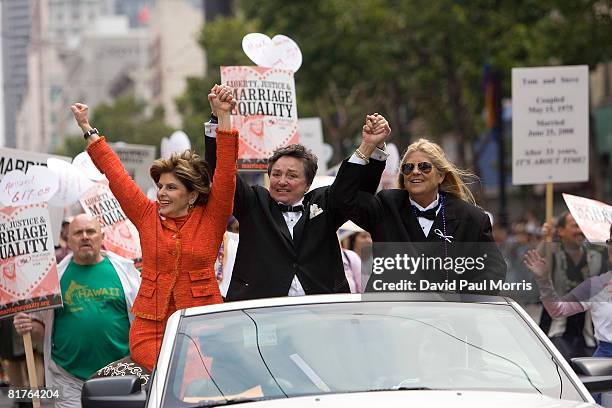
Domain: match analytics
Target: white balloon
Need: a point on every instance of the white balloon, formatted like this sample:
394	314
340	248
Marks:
83	162
72	183
178	142
35	186
285	53
255	46
279	52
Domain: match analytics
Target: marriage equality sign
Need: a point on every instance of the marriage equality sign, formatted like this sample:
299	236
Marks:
592	216
120	235
28	278
265	112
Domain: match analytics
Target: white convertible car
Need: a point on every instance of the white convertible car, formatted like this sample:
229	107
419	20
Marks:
416	350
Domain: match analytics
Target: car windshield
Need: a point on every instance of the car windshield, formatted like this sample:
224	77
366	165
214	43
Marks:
279	352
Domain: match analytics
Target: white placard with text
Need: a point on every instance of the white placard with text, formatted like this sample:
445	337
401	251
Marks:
550	124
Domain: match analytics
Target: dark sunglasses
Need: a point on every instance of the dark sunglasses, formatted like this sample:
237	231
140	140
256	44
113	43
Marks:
424	167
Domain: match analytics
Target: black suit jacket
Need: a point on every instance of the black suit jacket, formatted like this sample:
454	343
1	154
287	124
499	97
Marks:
388	216
268	258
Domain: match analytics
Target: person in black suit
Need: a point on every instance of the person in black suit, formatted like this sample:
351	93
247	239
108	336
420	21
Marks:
288	243
433	205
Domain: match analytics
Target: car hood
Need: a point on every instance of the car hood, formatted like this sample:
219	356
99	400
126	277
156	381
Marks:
433	398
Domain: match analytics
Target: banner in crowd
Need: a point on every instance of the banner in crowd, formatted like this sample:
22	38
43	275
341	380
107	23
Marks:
120	235
137	160
592	216
15	159
550	125
28	278
311	136
265	113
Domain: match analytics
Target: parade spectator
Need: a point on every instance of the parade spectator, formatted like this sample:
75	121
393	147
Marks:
288	243
352	269
180	232
432	204
357	242
61	249
591	295
572	262
91	330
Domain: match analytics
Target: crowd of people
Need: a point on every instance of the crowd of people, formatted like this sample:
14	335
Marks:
288	243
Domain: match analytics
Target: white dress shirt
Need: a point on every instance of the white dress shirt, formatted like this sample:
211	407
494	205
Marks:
291	219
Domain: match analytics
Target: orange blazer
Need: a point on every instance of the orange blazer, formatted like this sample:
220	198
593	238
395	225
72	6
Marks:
176	264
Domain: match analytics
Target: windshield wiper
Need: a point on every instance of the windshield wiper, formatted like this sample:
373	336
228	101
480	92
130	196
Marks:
219	403
399	389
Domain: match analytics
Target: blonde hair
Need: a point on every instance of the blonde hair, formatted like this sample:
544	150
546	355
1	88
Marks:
454	177
189	168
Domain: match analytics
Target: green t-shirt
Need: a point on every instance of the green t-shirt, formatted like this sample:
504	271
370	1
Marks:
92	328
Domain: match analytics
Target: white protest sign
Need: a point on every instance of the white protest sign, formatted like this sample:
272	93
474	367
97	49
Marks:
72	183
279	52
550	124
28	275
311	136
120	235
83	162
15	159
137	160
265	113
36	186
177	142
592	216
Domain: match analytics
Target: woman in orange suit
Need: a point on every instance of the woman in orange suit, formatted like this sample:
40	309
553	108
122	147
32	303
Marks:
180	232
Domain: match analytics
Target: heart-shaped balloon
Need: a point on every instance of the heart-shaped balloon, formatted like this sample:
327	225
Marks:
72	183
178	142
255	46
35	186
279	52
83	162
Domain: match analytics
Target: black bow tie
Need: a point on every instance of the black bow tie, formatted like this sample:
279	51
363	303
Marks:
290	208
429	214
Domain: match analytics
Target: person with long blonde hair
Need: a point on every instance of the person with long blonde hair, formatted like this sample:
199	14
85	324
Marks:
431	204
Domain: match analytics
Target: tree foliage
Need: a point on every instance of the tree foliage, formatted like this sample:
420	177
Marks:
124	120
407	59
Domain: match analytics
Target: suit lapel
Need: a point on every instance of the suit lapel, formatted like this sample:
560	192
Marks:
279	221
298	229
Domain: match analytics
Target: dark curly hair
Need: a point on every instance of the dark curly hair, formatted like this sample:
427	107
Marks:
189	168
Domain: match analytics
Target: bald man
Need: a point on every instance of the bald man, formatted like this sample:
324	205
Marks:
91	330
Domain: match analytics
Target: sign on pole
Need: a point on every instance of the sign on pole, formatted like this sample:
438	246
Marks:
28	276
15	159
550	124
265	113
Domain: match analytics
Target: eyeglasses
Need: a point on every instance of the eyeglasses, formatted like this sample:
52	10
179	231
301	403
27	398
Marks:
424	167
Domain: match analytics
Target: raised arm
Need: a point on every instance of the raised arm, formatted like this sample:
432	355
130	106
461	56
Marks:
555	306
351	192
221	197
244	197
132	200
